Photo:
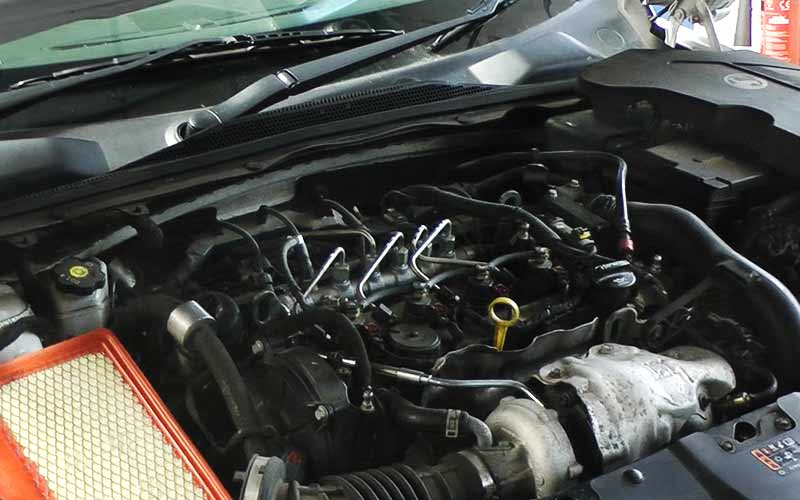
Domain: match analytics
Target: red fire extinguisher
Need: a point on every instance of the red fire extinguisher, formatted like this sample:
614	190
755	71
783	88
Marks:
780	30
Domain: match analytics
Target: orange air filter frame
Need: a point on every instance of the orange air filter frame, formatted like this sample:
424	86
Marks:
56	443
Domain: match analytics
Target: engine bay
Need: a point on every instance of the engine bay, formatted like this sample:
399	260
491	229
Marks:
510	327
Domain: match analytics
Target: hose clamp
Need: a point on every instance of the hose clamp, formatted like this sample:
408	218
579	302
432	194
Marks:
185	318
451	425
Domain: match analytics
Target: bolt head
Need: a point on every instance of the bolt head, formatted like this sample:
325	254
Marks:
555	373
321	413
368	401
605	349
726	445
633	476
574	471
783	423
257	347
552	193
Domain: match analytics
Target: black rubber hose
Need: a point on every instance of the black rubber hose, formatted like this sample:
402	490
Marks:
193	261
204	342
149	232
251	241
36	325
527	176
309	266
511	257
265	210
338	326
497	160
147	312
626	245
225	310
683	235
388	293
431	195
766	395
151	312
436	420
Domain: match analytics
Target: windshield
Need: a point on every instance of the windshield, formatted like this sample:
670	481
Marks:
78	30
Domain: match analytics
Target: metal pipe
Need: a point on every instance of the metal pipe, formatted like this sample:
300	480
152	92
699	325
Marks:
394	238
337	252
362	233
445	224
452	261
421	231
425	379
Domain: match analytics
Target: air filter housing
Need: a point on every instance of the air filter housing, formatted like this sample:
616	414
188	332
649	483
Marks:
79	421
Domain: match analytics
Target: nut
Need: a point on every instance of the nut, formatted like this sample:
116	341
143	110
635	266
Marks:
257	347
633	476
321	413
783	423
554	373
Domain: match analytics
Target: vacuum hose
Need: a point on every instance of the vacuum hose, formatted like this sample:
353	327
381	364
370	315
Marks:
445	422
203	341
432	195
194	329
681	233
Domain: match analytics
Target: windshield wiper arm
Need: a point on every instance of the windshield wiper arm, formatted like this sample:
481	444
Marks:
278	86
32	90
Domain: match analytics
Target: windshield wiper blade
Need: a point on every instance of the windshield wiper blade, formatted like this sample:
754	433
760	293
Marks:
32	90
278	86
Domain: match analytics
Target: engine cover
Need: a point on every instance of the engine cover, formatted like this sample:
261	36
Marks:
737	98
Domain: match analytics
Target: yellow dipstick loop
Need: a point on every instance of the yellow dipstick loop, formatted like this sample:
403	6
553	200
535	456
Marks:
501	325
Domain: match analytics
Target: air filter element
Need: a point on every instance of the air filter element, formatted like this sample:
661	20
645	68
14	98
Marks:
79	421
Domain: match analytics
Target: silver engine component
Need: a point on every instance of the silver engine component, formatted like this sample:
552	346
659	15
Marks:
636	402
537	429
12	309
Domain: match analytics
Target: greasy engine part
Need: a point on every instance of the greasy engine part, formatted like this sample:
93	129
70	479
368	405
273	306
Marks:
634	401
17	334
536	429
444	340
630	403
472	474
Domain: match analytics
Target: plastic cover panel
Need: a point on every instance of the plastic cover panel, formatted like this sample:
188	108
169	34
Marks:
79	421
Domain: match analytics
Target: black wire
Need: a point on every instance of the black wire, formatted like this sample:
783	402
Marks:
388	292
281	217
248	237
623	218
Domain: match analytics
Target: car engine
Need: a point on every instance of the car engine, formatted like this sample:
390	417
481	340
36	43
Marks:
507	327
